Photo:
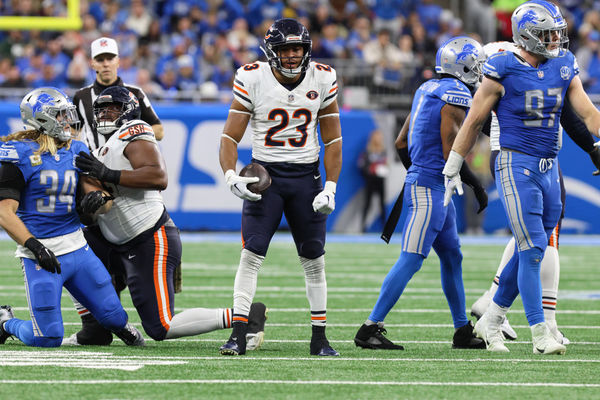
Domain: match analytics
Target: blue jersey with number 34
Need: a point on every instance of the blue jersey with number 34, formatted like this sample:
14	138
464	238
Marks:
47	204
529	111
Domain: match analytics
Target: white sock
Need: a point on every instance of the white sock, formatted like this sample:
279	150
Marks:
244	286
509	250
81	310
550	276
496	310
195	321
316	288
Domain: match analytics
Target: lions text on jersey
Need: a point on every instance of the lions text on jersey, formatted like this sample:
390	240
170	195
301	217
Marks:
424	143
284	122
134	210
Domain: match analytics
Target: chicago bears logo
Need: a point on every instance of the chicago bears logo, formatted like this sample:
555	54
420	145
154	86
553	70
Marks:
529	17
565	73
312	95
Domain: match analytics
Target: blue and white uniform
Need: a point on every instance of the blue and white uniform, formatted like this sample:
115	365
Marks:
47	208
429	223
526	170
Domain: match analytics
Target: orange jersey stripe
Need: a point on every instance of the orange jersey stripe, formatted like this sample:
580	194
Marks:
334	89
240	89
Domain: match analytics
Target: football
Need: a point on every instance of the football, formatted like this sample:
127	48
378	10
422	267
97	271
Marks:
257	170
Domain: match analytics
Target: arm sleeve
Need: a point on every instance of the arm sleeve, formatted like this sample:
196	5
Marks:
404	157
12	181
487	126
467	176
576	129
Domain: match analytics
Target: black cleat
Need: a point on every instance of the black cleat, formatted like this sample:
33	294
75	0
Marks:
236	345
464	338
131	336
5	314
372	337
91	334
256	326
322	348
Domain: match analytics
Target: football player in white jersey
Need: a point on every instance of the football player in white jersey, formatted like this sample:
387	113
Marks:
284	99
136	236
550	266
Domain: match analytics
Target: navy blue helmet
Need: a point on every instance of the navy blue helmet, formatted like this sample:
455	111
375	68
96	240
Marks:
284	32
114	107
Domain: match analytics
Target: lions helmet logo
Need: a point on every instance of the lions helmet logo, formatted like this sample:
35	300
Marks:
529	17
467	50
312	95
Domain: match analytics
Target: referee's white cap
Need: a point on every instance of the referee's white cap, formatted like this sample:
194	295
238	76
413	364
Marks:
104	45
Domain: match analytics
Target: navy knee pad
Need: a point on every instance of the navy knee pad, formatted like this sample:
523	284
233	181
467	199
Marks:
311	249
156	331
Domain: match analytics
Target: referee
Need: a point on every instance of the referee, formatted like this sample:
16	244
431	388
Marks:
105	61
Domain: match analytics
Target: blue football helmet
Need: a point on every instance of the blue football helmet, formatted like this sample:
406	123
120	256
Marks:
461	57
50	111
535	23
114	107
283	32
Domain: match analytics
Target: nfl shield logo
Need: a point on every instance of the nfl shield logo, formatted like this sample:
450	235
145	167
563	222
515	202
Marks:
565	73
541	74
57	157
291	98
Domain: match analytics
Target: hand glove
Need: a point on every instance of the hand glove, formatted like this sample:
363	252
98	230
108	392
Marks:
237	185
595	156
44	256
324	202
452	176
482	198
92	201
89	164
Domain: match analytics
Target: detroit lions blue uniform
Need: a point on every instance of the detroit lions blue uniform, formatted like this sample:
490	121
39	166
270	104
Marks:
47	208
429	223
526	170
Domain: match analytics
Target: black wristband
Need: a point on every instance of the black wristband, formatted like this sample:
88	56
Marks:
112	176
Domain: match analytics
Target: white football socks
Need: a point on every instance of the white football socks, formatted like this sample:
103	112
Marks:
246	277
316	288
195	321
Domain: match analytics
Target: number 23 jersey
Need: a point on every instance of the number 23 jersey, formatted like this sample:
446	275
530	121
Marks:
284	122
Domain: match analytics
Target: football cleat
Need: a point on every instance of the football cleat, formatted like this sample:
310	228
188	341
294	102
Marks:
91	334
233	347
372	337
488	329
322	348
465	339
256	326
478	309
6	313
558	335
544	342
130	336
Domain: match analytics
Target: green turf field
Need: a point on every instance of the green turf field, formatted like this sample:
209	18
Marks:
283	369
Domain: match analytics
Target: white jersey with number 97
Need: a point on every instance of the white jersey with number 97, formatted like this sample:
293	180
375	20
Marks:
284	122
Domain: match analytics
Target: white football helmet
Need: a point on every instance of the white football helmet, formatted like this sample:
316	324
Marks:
461	57
50	111
538	24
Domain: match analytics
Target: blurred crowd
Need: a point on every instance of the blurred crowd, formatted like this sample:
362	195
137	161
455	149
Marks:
171	47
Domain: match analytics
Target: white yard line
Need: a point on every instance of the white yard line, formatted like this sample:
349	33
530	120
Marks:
287	382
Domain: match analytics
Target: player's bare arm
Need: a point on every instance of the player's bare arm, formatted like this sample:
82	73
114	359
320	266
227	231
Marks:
234	129
402	139
486	96
583	106
149	169
11	223
331	134
451	118
159	132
